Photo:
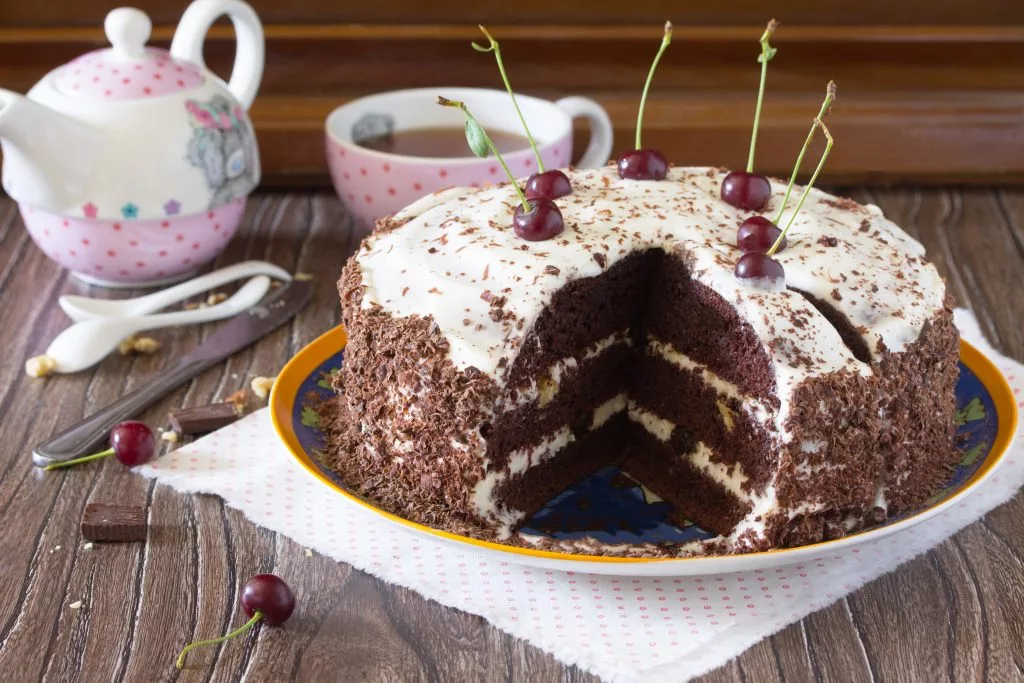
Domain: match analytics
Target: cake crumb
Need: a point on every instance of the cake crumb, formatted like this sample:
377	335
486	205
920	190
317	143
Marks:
40	366
216	298
302	277
261	386
77	604
170	436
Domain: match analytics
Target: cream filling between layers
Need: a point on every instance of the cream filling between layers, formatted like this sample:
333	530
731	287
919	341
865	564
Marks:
546	386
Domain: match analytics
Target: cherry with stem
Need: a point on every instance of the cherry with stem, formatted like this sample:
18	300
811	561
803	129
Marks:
641	163
535	219
745	189
551	184
132	442
761	265
265	598
760	234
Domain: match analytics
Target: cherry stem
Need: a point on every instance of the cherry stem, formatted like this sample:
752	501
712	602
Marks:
213	641
496	49
445	102
767	52
665	40
830	97
807	188
76	461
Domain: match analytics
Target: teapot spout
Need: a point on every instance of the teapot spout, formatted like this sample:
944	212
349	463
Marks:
49	157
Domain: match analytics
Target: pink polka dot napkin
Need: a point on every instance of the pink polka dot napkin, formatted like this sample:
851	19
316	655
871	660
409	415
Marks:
620	628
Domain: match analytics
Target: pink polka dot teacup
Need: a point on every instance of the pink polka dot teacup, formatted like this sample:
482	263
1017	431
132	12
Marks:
374	184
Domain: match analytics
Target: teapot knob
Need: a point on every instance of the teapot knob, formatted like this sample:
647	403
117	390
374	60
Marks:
128	31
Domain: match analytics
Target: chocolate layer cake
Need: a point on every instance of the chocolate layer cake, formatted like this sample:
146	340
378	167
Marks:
485	373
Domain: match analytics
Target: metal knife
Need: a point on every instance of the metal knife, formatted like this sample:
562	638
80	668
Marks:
233	336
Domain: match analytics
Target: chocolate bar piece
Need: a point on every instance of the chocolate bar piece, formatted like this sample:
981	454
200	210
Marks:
113	523
203	419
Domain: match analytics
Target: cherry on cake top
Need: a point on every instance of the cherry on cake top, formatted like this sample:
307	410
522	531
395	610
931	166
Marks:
643	163
534	219
746	189
756	266
548	184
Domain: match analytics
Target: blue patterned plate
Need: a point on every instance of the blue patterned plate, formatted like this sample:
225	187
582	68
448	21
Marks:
629	513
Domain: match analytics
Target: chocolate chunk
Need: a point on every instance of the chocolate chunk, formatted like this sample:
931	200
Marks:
203	419
113	523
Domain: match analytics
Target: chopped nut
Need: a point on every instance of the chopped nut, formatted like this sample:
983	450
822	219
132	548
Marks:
261	386
134	344
238	398
309	553
215	298
77	604
146	345
193	305
169	437
40	366
87	546
302	277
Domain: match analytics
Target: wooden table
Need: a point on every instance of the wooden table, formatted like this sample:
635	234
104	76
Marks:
956	613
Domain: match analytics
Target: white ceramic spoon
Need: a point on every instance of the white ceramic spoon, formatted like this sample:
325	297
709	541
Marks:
81	308
86	343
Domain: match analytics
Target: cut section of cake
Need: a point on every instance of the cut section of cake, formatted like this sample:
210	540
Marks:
485	374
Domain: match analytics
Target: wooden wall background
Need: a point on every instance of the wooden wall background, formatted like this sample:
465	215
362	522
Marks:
929	90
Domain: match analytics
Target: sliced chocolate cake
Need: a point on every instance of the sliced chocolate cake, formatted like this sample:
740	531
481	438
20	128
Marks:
485	373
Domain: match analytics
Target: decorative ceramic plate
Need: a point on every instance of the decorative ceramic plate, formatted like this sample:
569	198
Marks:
986	422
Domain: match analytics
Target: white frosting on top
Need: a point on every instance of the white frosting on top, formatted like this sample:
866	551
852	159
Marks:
458	250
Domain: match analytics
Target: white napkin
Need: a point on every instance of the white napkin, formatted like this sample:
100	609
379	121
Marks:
622	629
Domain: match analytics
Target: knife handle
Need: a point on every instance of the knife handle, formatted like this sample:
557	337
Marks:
84	437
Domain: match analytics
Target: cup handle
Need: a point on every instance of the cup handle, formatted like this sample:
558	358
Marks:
249	50
601	134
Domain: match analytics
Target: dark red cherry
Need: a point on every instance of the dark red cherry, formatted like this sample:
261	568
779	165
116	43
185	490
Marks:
643	164
549	185
269	595
746	190
133	443
757	233
542	222
755	265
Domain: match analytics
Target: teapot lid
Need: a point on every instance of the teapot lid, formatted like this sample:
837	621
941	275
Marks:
128	70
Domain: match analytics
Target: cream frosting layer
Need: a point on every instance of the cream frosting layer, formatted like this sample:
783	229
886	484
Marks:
459	243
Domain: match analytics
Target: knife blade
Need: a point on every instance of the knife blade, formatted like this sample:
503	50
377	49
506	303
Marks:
232	336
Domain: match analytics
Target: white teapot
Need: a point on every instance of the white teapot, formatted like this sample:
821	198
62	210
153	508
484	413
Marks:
131	164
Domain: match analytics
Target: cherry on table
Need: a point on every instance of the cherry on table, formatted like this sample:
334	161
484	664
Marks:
542	221
755	265
132	442
758	233
265	598
643	164
548	185
746	190
270	595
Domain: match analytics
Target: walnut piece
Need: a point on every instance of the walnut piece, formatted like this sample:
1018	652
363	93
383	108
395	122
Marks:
216	298
40	366
169	436
135	344
261	386
238	398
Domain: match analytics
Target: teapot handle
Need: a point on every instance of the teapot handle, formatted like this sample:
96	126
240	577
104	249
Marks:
191	33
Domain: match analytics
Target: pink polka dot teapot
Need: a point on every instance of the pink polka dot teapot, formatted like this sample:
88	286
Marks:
131	164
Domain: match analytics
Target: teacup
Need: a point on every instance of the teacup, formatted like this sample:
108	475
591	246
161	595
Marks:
375	184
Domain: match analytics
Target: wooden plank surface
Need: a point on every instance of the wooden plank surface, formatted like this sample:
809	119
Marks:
956	613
